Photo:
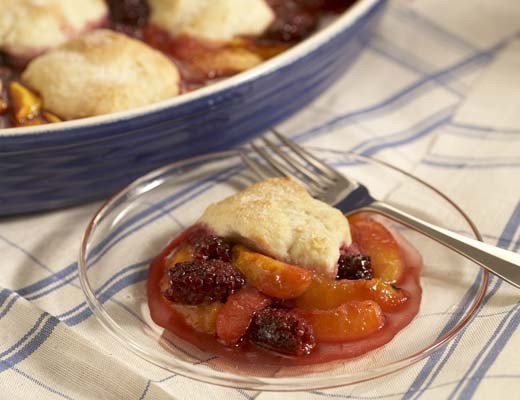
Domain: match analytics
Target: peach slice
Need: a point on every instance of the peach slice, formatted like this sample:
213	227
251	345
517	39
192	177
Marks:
50	117
26	104
182	254
271	277
324	293
375	241
201	318
3	104
237	314
350	321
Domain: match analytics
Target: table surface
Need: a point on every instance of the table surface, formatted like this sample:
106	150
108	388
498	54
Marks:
436	92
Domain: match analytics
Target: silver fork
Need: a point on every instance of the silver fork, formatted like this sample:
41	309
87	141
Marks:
348	195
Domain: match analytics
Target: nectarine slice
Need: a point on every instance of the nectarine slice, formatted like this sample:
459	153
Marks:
271	277
324	293
350	321
375	241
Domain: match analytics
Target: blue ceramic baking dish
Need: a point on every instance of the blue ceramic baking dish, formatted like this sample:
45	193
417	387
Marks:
72	162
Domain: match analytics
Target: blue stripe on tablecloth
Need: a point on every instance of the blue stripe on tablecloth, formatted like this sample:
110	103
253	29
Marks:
11	302
58	285
55	277
483	134
404	60
472	385
25	252
509	233
476	159
496	136
495	343
388	395
4	295
434	359
484	128
145	391
247	395
399	55
511	227
40	383
102	287
134	277
171	376
454	344
462	165
138	265
167	214
71	311
458	162
431	368
25	337
411	90
31	346
420	130
371	146
413	61
423	22
109	281
402	95
516	246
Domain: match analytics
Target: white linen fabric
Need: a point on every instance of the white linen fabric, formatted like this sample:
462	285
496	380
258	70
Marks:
419	98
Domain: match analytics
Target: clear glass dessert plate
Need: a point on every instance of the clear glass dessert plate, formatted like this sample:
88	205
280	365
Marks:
135	224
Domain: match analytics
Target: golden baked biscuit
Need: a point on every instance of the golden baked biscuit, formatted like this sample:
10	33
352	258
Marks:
278	217
99	73
220	20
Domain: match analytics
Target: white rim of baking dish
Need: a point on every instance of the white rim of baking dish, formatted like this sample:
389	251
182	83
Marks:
353	14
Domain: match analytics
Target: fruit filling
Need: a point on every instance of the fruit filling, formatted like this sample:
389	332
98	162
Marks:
229	299
200	60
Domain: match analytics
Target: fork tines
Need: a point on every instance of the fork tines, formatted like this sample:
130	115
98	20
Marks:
275	155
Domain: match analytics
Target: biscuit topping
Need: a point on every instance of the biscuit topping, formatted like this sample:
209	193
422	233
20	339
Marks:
279	218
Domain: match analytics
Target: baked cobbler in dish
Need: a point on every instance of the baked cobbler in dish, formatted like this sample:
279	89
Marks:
272	275
58	61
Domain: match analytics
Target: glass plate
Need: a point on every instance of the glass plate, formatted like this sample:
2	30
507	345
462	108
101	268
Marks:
135	224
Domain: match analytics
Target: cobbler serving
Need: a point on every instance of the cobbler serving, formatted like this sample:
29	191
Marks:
274	276
63	60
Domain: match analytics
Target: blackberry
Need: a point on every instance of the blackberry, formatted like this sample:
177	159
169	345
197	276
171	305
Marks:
202	281
129	16
130	12
210	247
282	331
355	266
293	21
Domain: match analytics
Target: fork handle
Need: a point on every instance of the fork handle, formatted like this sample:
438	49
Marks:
503	263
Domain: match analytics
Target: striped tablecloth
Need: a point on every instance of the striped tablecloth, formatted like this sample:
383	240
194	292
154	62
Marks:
437	93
